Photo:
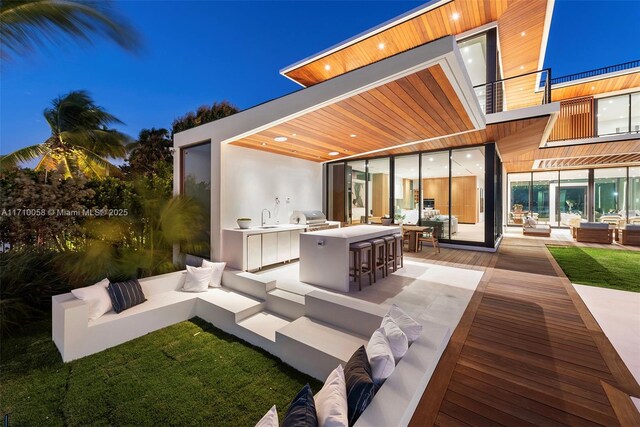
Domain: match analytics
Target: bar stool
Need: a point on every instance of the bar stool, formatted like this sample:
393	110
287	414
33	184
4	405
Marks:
362	261
379	257
399	253
391	251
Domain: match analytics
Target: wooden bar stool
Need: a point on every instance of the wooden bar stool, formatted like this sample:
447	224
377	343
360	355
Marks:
379	257
400	251
391	251
429	236
362	261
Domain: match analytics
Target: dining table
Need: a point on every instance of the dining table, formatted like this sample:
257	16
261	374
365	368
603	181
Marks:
413	231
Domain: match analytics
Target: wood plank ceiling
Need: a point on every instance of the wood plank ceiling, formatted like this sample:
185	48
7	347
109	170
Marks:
604	85
521	27
416	107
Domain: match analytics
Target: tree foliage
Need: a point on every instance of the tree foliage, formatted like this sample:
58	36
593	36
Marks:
80	140
204	114
28	24
150	153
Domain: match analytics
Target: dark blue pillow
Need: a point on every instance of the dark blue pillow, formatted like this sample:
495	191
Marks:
360	385
302	412
125	295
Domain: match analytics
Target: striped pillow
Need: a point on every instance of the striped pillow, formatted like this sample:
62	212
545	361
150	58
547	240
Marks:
302	411
360	385
125	295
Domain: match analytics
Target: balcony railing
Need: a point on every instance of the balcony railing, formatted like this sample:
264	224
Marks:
596	72
512	93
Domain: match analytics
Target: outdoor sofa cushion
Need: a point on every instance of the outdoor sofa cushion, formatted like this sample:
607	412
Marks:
270	419
632	227
97	297
409	326
302	411
595	225
331	401
360	386
380	356
398	340
125	295
216	275
197	279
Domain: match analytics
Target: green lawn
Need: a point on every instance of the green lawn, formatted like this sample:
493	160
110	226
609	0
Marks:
606	268
187	374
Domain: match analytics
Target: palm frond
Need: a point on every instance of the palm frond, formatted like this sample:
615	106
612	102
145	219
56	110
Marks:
26	24
23	155
98	162
103	142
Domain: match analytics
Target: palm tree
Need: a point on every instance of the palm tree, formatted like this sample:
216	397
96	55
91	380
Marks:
26	24
79	142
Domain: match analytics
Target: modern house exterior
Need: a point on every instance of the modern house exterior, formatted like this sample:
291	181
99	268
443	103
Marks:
443	116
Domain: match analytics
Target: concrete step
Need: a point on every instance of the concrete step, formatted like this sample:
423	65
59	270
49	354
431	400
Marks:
264	324
286	304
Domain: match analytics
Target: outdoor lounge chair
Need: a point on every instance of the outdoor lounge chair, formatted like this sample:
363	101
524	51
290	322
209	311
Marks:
532	228
629	235
594	232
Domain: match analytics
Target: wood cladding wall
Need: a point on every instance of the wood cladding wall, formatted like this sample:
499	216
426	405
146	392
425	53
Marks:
464	197
576	120
380	194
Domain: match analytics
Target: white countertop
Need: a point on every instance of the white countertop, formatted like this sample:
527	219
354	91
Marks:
355	233
272	228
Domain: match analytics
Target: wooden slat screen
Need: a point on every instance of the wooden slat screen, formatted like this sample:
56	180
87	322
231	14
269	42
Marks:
576	120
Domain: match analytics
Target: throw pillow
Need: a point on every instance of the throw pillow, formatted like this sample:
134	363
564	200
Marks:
360	385
198	279
270	419
216	275
380	356
97	297
331	401
409	326
302	411
125	295
398	340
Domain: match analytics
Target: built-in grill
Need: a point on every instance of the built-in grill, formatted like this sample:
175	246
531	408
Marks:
315	220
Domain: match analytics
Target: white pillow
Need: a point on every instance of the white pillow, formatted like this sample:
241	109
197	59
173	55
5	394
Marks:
380	356
216	276
331	401
409	326
197	279
398	340
270	419
97	296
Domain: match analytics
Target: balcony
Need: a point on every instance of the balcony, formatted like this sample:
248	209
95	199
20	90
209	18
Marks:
521	91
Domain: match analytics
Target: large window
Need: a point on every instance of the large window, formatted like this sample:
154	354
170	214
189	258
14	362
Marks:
519	188
634	195
573	195
407	189
474	54
196	183
542	203
619	114
378	189
467	194
356	192
435	192
610	186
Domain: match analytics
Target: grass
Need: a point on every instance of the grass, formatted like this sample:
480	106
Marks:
605	268
187	374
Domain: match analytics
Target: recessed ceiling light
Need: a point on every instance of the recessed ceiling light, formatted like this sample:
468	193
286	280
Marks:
604	108
327	67
477	164
353	135
468	156
333	153
523	34
431	159
293	134
480	167
522	67
481	92
380	46
263	144
611	101
280	138
593	87
455	16
294	151
622	117
466	49
469	60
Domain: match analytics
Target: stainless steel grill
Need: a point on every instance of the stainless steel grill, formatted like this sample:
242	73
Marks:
315	220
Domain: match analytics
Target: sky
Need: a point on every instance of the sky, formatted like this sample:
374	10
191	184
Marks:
198	52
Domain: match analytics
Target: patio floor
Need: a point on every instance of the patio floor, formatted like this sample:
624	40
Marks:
527	350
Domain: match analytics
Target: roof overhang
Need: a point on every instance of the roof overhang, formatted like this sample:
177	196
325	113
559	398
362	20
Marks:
416	95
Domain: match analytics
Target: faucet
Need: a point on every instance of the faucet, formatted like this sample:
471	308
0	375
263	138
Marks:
262	215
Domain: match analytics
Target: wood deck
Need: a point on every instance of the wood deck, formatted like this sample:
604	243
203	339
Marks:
527	351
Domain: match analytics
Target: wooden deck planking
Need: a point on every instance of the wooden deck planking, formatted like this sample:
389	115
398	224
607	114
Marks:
527	351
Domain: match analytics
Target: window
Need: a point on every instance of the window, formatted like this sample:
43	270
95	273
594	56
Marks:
407	189
467	194
610	192
635	112
474	54
543	197
435	192
619	114
519	188
634	195
196	183
378	189
356	195
573	196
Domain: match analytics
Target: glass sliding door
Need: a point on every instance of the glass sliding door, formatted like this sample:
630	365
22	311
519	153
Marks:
634	195
467	189
519	192
573	196
196	184
407	189
378	189
435	192
356	189
610	188
543	201
635	112
618	114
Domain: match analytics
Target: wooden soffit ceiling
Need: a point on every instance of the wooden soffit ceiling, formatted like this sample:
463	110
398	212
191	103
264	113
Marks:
416	107
596	87
521	26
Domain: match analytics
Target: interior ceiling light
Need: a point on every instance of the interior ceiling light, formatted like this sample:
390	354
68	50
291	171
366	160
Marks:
293	134
327	67
469	60
280	138
455	16
522	67
380	46
353	135
466	49
468	156
610	101
333	153
431	159
523	34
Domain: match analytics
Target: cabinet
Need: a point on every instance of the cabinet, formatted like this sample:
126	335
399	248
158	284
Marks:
254	252
295	244
269	248
284	246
